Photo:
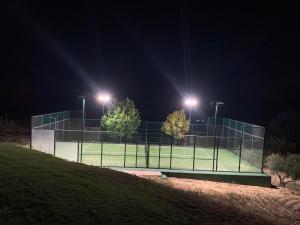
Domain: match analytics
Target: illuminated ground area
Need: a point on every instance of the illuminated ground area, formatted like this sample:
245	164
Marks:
179	157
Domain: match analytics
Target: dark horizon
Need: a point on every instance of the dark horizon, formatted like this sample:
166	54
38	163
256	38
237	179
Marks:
152	52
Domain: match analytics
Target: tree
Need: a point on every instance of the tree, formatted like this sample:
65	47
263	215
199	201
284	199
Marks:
176	124
122	120
286	168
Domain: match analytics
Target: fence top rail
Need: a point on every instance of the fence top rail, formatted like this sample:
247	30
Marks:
47	124
243	131
244	123
51	113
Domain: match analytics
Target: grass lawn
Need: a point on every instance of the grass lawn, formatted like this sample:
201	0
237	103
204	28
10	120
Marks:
114	155
36	188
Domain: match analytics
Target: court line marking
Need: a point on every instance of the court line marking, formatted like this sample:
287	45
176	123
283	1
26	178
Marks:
213	159
85	148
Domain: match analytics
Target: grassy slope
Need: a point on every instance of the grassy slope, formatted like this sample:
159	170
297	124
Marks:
38	188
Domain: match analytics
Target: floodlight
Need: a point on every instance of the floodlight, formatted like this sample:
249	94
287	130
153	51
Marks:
103	98
191	101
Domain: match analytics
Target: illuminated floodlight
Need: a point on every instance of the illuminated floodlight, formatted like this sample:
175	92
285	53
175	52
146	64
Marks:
103	98
191	102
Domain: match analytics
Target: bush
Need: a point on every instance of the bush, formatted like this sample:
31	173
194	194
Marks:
293	163
286	168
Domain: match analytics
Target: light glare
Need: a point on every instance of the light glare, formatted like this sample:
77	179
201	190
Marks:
191	101
103	98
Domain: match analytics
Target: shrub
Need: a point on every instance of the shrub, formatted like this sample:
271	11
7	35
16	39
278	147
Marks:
293	163
286	168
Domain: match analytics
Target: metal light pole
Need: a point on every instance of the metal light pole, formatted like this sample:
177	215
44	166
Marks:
190	116
190	102
83	112
83	97
215	104
103	99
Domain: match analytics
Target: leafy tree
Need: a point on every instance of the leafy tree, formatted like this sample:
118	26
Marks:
122	120
176	124
286	168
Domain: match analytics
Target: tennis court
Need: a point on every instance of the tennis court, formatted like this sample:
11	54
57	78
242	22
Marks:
214	145
151	156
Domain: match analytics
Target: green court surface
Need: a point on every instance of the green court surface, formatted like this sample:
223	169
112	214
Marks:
163	157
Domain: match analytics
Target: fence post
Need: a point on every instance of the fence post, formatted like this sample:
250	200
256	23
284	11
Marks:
81	151
241	144
194	152
63	125
234	146
69	118
217	156
206	133
136	153
146	132
125	155
159	149
228	136
78	151
82	125
222	133
148	155
214	152
215	139
263	153
30	143
101	156
101	160
171	152
54	144
252	144
147	146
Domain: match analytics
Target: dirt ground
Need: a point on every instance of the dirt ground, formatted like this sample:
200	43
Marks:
281	205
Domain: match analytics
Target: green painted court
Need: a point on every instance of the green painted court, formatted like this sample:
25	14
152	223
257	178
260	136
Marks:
152	156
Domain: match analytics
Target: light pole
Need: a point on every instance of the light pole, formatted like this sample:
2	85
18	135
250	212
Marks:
83	97
215	104
103	99
190	102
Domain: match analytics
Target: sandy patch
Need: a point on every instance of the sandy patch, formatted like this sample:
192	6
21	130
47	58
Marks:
279	204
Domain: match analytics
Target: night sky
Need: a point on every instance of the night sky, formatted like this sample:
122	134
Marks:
153	52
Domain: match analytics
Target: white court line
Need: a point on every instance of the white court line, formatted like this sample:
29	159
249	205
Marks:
85	148
212	159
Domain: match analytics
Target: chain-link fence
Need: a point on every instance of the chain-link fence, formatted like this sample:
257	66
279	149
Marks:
215	145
